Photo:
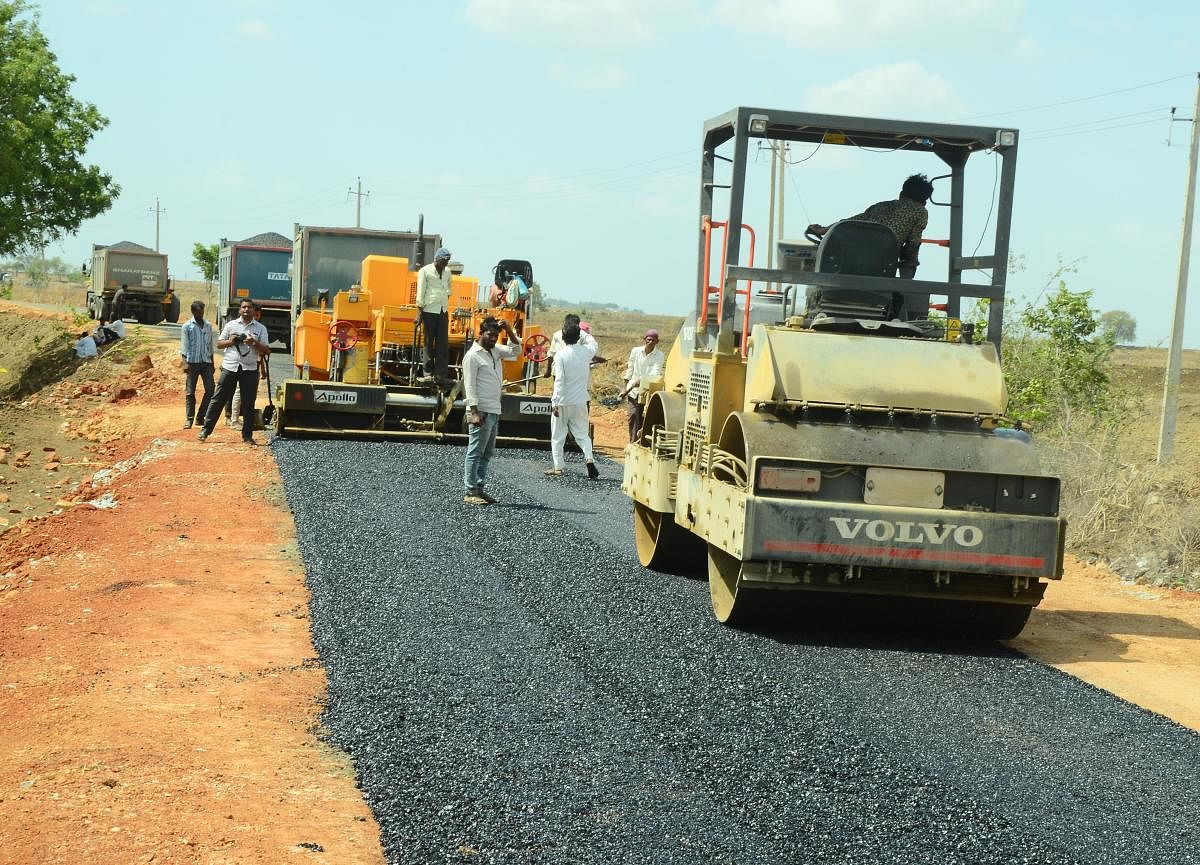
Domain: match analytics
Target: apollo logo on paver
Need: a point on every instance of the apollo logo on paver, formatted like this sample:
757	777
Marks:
335	397
908	533
536	408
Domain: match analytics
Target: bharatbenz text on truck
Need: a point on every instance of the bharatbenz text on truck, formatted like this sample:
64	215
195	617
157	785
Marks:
257	269
142	271
824	434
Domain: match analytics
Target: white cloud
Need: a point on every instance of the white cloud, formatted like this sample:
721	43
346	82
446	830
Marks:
895	90
253	28
574	24
855	25
596	78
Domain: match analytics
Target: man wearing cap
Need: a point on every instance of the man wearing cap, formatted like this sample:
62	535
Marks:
433	298
645	362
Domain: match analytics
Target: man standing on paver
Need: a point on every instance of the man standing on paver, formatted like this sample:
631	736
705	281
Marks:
645	362
483	380
569	401
433	298
196	349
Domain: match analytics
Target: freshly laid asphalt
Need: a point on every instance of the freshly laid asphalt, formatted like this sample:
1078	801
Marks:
513	687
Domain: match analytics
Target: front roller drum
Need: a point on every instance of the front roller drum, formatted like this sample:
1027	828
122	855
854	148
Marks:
663	545
733	603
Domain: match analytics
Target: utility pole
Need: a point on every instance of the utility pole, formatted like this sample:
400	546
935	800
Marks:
359	195
157	211
1170	404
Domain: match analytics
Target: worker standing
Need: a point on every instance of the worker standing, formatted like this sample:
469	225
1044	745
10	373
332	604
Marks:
243	340
645	362
196	350
433	298
118	303
585	338
569	401
483	381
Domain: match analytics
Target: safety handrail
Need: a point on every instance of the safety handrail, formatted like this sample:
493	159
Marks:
709	224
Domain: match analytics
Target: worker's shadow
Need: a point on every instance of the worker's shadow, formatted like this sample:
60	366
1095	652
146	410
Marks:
1065	636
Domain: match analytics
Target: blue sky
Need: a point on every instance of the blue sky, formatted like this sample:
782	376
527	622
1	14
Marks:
568	131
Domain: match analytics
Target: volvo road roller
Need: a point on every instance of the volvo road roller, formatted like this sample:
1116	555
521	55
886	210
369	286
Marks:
828	426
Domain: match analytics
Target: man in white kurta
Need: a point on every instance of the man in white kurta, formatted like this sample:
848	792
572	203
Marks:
569	401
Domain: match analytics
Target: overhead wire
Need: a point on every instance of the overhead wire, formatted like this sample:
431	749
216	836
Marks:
1080	99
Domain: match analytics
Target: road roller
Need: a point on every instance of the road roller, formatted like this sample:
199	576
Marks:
833	426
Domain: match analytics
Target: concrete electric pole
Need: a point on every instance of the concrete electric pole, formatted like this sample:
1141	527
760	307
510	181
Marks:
1170	404
158	212
359	195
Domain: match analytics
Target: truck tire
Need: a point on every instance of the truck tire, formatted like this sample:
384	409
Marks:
106	310
173	311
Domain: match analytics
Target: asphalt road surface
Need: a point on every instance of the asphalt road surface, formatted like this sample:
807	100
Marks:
514	687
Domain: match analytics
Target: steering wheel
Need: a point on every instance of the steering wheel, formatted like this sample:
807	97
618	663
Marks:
536	347
343	335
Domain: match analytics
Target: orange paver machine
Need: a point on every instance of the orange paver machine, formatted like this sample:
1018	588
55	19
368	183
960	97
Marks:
360	361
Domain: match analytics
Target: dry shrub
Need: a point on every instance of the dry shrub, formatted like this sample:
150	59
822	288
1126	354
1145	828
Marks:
1143	519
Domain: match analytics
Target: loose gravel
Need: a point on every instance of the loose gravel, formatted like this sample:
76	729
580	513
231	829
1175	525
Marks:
513	687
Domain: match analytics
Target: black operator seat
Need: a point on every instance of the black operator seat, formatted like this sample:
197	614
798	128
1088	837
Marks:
857	247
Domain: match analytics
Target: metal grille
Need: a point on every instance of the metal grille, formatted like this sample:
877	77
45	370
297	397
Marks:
699	397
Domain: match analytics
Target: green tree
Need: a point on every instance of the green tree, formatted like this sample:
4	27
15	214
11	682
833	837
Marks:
46	190
1120	324
1057	360
205	257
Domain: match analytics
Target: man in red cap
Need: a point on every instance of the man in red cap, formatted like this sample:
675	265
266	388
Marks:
645	362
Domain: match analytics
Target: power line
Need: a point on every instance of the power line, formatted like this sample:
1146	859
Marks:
1096	129
1092	122
1081	98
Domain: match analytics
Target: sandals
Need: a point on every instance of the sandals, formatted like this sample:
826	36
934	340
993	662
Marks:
554	473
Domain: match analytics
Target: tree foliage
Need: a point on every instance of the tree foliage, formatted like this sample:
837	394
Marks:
1057	362
46	190
205	257
1120	324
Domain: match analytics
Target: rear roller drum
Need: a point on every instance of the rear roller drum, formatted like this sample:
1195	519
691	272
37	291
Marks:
663	545
732	603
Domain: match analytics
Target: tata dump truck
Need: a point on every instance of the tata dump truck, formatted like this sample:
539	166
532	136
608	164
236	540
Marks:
831	429
358	344
258	269
143	272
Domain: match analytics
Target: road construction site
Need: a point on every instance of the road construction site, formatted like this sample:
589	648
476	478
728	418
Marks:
507	684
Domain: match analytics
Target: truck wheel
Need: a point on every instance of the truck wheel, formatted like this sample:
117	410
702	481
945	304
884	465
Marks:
106	310
733	604
664	545
173	311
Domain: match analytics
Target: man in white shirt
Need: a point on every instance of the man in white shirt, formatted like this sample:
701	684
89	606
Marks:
569	400
433	298
483	381
585	338
244	340
645	362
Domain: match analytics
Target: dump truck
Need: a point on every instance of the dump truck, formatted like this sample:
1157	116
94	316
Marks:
259	269
853	441
143	272
358	344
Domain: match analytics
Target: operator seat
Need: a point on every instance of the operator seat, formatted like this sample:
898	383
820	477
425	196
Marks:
857	247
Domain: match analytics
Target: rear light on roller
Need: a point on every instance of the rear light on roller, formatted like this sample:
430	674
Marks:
789	480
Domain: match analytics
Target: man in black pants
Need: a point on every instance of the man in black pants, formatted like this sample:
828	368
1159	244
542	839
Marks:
433	297
243	340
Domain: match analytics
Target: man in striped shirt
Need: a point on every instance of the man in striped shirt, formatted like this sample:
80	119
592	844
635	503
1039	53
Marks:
196	349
